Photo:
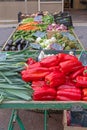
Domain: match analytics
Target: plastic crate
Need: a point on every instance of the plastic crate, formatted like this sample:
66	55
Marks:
63	18
66	127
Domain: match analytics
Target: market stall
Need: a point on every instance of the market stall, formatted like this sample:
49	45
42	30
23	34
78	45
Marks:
48	73
37	105
11	98
43	30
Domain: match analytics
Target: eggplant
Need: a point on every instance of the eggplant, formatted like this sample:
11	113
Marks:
7	48
13	48
22	41
19	47
26	45
17	41
26	42
10	42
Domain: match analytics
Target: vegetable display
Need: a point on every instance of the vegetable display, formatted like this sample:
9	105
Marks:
32	26
41	32
12	87
56	77
24	75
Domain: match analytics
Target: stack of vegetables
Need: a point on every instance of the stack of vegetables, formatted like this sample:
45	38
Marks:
56	77
12	87
41	32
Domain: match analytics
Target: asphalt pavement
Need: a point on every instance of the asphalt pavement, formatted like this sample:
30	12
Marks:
81	32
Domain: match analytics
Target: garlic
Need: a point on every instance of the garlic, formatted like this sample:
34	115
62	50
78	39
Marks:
38	40
53	39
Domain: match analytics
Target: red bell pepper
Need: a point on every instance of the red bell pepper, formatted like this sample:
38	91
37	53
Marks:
64	86
77	73
37	64
62	98
84	98
67	66
85	71
36	69
70	90
84	94
76	68
49	61
54	79
33	74
45	93
44	98
64	57
31	66
30	61
23	72
54	68
71	94
81	81
69	81
37	84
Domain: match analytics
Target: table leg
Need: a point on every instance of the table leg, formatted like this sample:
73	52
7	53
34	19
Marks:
20	123
45	119
14	117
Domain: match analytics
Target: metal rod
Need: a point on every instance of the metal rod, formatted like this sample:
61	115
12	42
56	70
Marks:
45	119
38	5
11	124
20	123
62	5
26	7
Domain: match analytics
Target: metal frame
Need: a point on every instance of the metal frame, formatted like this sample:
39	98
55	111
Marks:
37	105
39	3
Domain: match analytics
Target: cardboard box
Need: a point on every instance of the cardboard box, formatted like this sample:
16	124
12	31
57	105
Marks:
66	127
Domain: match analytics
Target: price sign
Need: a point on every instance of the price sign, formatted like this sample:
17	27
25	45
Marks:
38	18
69	36
83	58
3	56
39	34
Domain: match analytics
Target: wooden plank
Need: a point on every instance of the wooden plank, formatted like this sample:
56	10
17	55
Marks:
43	105
78	39
9	37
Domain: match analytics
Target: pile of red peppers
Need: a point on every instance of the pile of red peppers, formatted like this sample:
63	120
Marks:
60	77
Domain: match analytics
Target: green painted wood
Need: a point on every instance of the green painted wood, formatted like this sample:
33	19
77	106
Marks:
57	105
